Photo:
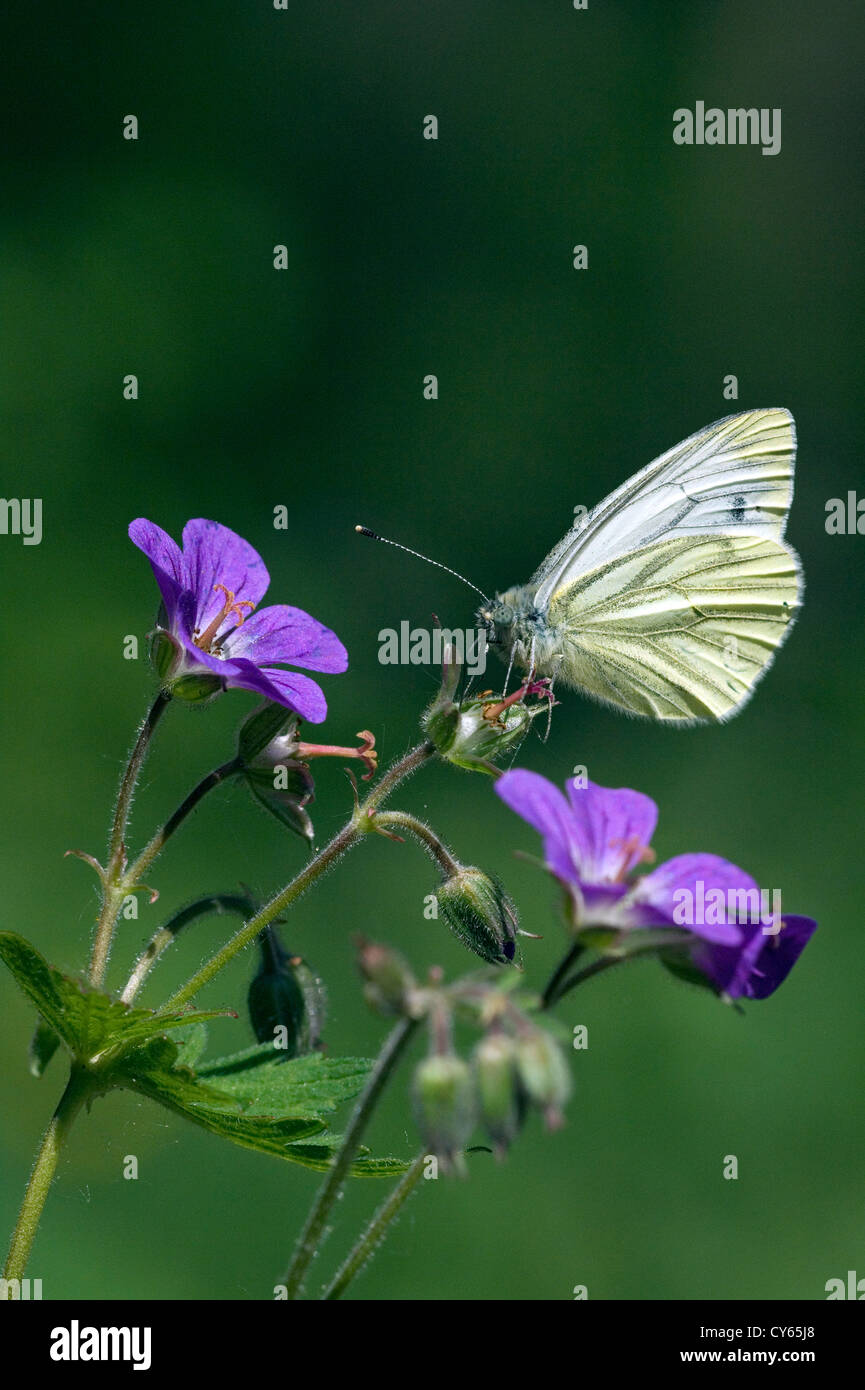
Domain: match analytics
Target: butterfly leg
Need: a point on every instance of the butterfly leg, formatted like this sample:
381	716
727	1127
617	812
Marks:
551	687
508	675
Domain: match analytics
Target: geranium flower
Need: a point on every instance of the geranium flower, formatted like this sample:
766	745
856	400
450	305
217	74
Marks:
210	591
762	962
595	837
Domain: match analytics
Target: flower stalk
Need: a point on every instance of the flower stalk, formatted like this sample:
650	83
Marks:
313	1230
114	887
74	1096
376	1231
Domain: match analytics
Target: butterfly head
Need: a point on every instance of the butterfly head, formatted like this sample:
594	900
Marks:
513	622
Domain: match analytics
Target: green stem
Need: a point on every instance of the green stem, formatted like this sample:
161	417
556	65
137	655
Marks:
362	823
376	1230
114	891
551	992
597	967
70	1103
312	1232
397	773
427	837
164	833
217	903
347	837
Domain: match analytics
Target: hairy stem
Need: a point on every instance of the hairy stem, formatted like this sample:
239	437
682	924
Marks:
312	1232
217	903
422	832
164	833
113	891
375	1232
362	823
42	1175
553	985
597	967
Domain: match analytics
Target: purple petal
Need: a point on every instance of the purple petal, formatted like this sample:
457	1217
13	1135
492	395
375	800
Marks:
611	827
213	554
291	689
545	808
683	892
282	634
756	969
165	558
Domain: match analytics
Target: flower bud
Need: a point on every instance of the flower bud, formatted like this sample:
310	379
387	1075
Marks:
285	1000
166	654
498	1092
472	733
444	1101
196	688
388	981
543	1073
478	911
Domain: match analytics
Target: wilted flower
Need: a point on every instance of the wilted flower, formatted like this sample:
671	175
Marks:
286	1000
211	639
499	1094
444	1097
543	1073
388	982
275	763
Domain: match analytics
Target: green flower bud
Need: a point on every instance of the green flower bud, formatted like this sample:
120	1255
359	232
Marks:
196	688
388	981
499	1095
473	732
166	654
543	1073
263	727
285	1000
479	912
444	1099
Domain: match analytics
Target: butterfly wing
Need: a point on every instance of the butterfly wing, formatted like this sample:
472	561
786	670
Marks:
735	476
679	630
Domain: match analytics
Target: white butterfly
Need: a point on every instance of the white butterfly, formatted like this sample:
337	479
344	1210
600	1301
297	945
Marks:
671	597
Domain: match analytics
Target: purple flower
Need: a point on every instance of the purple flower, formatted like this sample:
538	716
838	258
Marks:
595	837
762	962
209	591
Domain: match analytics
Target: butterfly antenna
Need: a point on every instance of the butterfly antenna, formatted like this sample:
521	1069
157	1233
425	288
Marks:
365	531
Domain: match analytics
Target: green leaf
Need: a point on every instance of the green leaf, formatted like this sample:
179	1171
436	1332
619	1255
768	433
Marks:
191	1042
219	1099
310	1085
90	1023
321	1154
43	1045
153	1072
38	981
254	1056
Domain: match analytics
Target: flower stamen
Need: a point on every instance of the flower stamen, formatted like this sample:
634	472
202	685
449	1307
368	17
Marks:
629	847
204	640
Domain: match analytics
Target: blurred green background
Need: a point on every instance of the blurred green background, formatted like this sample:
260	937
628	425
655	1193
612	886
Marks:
304	388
